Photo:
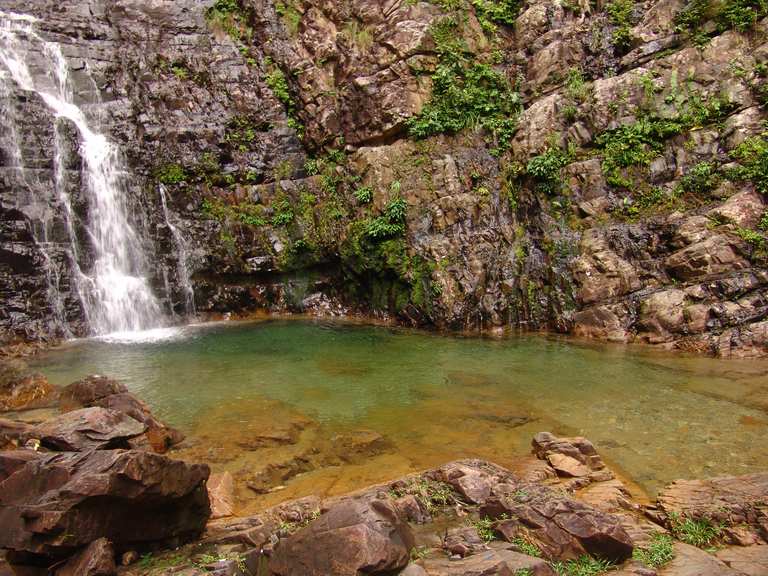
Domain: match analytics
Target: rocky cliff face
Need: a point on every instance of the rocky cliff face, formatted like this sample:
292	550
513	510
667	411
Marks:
598	170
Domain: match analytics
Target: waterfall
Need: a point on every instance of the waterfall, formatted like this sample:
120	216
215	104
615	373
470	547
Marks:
115	293
182	253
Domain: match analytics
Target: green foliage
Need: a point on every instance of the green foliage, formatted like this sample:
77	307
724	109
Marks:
465	93
171	174
229	16
492	12
620	13
364	194
752	155
290	16
545	169
701	179
485	528
360	36
278	83
741	15
524	572
575	85
432	494
699	532
637	144
582	566
763	224
390	223
240	133
659	551
244	212
283	213
526	547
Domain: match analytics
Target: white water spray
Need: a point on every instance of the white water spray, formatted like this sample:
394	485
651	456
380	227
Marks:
115	294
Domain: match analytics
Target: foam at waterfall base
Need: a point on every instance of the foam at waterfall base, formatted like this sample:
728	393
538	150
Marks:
145	336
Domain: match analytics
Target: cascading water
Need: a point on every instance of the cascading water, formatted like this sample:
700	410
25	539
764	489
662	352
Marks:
182	254
115	294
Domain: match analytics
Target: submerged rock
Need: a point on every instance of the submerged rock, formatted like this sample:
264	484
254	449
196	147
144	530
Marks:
52	505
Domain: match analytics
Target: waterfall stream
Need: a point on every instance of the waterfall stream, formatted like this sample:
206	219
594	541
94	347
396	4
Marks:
114	291
182	254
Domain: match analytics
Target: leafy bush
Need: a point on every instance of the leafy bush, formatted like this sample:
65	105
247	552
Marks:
230	17
752	155
364	194
391	222
545	169
464	93
740	15
171	174
620	14
701	179
658	552
526	547
491	12
283	214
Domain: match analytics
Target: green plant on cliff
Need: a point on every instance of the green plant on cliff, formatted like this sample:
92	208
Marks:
639	143
391	222
465	93
364	194
171	174
485	528
620	13
230	17
278	83
283	212
526	547
492	12
545	168
290	16
741	15
701	179
658	552
752	156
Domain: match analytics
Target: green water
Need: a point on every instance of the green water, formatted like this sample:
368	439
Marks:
656	416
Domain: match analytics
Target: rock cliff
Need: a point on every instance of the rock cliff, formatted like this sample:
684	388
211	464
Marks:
592	169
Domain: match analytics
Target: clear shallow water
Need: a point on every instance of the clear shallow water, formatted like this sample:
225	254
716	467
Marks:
309	386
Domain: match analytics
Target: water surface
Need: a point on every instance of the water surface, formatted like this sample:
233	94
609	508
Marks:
326	407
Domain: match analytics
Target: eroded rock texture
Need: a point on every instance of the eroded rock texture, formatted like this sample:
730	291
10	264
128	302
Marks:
281	134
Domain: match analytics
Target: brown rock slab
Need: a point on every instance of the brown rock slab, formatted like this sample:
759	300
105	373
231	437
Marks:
87	429
488	563
731	500
463	541
97	559
11	433
473	484
567	466
86	392
221	493
547	446
749	560
363	535
691	561
31	391
57	503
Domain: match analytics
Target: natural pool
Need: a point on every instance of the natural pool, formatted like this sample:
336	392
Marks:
326	407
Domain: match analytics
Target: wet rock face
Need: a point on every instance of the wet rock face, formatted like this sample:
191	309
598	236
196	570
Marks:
57	503
226	118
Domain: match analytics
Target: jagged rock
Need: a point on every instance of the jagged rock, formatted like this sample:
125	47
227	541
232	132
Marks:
97	559
562	527
571	457
87	429
412	509
489	563
57	503
473	484
30	391
105	392
221	493
463	541
355	536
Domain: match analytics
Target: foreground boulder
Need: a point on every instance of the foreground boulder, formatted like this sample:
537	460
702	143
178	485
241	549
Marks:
53	505
362	535
104	392
97	559
87	429
489	563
